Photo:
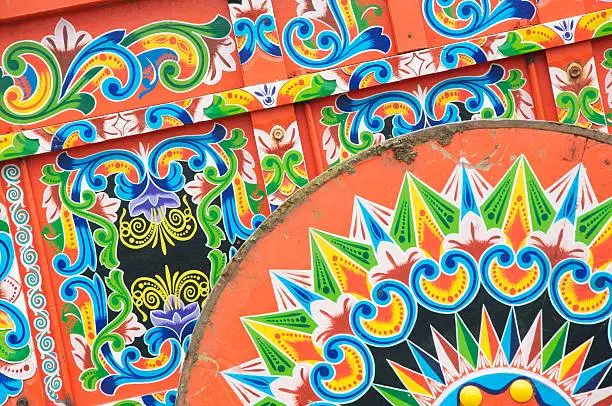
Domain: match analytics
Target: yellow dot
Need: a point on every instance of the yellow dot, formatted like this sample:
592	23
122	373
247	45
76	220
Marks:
470	396
521	390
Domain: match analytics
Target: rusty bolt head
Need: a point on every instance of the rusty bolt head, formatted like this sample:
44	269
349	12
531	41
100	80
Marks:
22	402
574	70
278	133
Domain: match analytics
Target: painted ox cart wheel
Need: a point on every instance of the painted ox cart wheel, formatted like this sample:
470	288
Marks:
468	265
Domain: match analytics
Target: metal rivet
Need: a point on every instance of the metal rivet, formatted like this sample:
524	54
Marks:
278	133
574	70
22	402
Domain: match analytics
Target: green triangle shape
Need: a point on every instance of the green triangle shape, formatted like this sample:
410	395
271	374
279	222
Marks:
396	397
553	350
444	212
268	401
466	344
324	282
362	254
590	224
402	228
494	208
278	363
296	320
541	210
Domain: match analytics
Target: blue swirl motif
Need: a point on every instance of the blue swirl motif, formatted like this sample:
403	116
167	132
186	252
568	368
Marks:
366	110
450	262
338	46
477	15
451	53
581	273
154	116
254	34
169	399
124	370
84	129
382	71
526	258
333	353
112	88
382	296
86	177
19	336
128	373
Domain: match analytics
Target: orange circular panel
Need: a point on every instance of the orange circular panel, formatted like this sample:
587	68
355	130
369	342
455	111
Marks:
467	264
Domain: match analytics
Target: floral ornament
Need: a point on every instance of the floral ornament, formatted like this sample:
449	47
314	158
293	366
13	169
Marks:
282	162
266	94
434	254
295	389
120	125
394	263
81	352
577	95
524	104
115	66
474	238
565	28
10	289
51	202
246	166
131	329
332	318
559	244
153	203
198	188
415	64
106	206
354	124
312	9
176	316
66	42
221	59
563	82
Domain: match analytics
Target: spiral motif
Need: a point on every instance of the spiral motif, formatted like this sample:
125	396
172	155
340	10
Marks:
38	301
151	292
49	364
53	385
14	194
46	343
22	216
32	279
11	173
41	323
29	256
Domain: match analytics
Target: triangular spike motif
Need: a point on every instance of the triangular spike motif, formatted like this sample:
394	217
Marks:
466	344
555	348
429	365
396	397
338	318
510	339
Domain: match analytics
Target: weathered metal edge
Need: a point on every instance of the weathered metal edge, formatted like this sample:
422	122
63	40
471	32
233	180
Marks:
403	150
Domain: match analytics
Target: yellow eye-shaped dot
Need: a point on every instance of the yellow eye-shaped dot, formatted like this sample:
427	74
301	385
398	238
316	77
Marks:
470	396
521	390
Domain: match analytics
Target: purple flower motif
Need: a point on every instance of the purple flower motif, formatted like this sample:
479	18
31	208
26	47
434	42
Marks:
176	315
153	203
266	95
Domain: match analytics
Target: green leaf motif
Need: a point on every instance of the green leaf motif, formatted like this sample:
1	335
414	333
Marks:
319	87
515	45
20	146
